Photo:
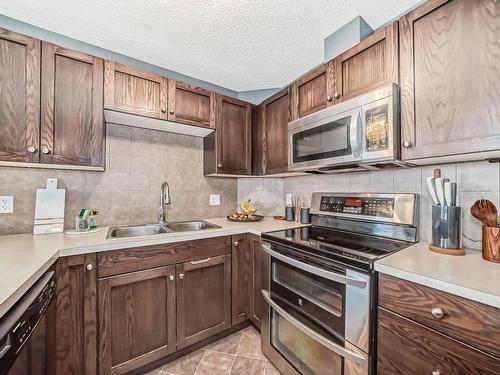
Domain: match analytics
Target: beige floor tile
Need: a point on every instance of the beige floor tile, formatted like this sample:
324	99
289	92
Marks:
250	346
227	345
250	330
215	363
271	370
185	365
248	366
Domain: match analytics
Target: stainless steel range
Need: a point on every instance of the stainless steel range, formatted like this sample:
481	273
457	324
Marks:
320	286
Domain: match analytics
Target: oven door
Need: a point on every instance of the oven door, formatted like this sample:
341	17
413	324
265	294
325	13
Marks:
316	314
317	141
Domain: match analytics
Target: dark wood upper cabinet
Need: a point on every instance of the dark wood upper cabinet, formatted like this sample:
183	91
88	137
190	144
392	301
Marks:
134	91
274	116
203	299
72	128
136	319
190	105
19	97
312	92
241	278
256	299
233	138
450	79
76	315
370	64
258	167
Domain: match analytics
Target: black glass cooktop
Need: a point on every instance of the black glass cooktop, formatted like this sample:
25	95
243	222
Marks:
347	247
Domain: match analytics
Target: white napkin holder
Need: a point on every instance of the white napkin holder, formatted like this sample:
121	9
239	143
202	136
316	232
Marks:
49	209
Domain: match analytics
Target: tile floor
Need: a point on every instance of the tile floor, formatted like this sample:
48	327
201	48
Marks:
237	354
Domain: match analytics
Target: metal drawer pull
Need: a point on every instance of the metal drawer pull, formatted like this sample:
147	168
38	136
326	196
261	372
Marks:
171	278
181	276
437	312
436	372
200	261
343	352
90	267
314	270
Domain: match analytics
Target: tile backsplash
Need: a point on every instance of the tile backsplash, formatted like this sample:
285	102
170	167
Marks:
475	180
138	161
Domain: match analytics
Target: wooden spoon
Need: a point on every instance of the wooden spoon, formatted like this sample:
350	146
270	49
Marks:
485	211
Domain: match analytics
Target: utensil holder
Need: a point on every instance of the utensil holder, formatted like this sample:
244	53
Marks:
491	243
447	230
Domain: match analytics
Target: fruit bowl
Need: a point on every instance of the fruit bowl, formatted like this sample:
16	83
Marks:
244	218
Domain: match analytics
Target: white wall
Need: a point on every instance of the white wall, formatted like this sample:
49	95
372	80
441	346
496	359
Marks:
475	180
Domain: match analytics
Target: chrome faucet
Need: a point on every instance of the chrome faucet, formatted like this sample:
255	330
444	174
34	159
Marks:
164	200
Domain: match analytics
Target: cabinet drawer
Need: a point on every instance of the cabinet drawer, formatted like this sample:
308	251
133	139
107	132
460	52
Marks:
406	347
468	321
141	258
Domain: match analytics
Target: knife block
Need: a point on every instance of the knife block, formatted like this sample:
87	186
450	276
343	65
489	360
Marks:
447	230
491	243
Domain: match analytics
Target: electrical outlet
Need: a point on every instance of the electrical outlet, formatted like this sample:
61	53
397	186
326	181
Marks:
6	204
214	200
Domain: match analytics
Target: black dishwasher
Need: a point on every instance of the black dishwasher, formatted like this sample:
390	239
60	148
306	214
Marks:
23	331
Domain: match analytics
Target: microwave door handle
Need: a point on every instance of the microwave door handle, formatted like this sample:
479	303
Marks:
356	135
340	350
315	270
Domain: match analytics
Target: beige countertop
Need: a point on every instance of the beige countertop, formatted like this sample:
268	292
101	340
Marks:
468	276
25	257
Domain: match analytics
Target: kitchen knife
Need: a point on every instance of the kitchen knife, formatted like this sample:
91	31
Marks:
432	189
447	193
453	193
440	191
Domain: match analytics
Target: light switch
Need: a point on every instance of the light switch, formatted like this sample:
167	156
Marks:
214	200
6	204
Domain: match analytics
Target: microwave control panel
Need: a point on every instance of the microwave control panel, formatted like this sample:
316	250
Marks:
367	206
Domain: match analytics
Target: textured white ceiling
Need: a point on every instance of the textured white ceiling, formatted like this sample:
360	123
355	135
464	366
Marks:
237	44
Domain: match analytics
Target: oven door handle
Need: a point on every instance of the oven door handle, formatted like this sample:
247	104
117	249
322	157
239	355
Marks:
315	270
340	350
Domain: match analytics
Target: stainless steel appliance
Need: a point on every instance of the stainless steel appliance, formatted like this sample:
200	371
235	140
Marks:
360	133
320	286
23	331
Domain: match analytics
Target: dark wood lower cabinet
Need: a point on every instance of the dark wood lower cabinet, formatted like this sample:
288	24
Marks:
241	279
256	299
203	299
76	316
406	347
136	319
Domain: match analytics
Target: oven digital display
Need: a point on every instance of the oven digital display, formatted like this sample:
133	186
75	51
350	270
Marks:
353	202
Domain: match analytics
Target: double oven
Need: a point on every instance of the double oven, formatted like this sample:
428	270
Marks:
318	314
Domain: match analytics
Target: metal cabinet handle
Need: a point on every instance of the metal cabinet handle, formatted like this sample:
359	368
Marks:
90	267
219	165
436	372
45	150
315	270
163	110
171	277
31	149
171	111
406	144
437	312
236	243
343	352
336	95
181	276
199	262
329	98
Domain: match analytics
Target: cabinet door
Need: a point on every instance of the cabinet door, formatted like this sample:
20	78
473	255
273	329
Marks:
203	299
370	64
256	299
275	116
136	319
134	91
312	92
257	142
241	279
190	105
76	315
72	130
234	136
450	78
406	347
19	97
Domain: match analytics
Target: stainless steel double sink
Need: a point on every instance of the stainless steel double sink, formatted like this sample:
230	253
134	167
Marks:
155	229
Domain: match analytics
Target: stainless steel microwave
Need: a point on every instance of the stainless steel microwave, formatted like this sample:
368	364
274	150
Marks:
360	133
